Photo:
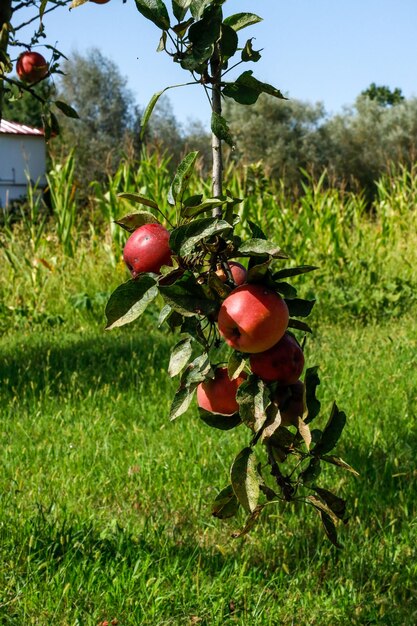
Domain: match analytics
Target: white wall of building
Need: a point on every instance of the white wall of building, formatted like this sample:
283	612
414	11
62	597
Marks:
20	154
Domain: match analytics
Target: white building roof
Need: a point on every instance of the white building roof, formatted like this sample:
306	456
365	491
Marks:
14	128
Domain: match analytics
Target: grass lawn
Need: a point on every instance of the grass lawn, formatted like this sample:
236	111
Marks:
105	504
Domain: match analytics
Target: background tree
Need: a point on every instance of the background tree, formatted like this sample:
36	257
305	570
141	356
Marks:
94	87
383	95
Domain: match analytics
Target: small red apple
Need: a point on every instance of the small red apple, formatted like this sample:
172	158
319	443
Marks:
253	318
291	403
31	67
284	362
147	249
238	271
218	394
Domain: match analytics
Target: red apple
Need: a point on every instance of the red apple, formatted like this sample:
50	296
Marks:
147	249
284	362
31	67
100	1
218	394
237	270
291	403
253	318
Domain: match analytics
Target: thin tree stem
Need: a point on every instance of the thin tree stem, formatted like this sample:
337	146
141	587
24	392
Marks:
216	144
5	17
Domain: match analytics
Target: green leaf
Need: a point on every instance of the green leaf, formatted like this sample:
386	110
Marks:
287	272
217	420
164	314
228	42
335	460
220	128
184	238
197	371
311	382
299	307
180	8
245	479
66	109
187	297
197	7
242	20
236	364
155	11
330	528
225	504
182	177
249	54
299	325
260	247
287	290
256	230
130	300
182	401
331	432
208	204
246	89
181	29
250	523
135	220
336	504
312	471
253	399
148	112
203	35
135	197
180	356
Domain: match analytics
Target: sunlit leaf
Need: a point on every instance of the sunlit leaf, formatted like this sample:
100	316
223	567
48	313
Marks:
180	356
155	11
135	220
242	20
245	479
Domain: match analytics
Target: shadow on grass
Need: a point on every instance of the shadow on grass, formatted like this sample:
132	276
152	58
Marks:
34	363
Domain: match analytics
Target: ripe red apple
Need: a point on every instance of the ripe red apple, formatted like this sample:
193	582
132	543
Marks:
147	249
253	318
218	394
31	67
284	362
238	272
291	403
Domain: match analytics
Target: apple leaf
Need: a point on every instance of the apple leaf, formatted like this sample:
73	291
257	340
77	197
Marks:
136	197
197	7
197	371
246	89
155	11
311	382
304	431
236	364
228	42
328	519
253	399
180	356
217	420
130	300
182	401
225	504
148	112
66	109
311	472
180	8
182	177
245	479
134	220
299	325
250	522
299	307
331	432
260	247
220	128
187	297
335	460
336	504
184	238
249	54
287	272
242	20
287	290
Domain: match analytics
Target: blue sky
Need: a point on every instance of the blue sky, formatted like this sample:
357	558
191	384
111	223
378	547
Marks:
314	50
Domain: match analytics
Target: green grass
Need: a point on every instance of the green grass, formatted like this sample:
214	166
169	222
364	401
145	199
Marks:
105	504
